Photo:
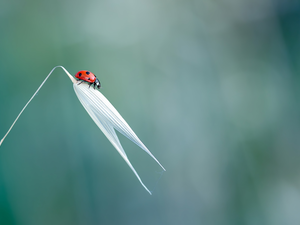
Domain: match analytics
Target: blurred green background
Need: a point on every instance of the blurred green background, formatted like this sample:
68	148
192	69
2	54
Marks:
210	87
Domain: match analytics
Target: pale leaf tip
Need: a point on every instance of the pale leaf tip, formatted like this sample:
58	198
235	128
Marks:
69	75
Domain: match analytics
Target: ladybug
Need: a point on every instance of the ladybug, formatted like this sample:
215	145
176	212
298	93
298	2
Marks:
87	76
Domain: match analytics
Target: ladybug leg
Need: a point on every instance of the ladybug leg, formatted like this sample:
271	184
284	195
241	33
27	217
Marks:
94	85
90	85
80	82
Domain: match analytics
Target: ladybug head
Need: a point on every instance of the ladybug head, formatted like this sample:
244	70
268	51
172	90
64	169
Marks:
97	83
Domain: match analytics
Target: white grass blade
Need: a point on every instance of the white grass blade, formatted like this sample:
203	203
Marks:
104	115
107	119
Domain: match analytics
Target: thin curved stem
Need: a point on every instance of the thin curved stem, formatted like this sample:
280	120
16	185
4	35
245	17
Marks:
72	79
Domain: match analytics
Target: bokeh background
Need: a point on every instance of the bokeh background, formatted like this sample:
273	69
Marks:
210	87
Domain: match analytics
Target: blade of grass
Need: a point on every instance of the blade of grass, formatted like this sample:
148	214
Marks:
107	119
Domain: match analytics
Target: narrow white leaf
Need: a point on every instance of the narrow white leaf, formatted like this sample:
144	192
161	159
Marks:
104	115
107	119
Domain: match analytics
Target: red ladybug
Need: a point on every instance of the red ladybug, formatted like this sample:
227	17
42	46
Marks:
87	76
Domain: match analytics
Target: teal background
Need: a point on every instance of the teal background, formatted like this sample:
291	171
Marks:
210	87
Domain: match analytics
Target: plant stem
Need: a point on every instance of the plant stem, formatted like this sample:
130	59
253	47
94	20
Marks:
70	76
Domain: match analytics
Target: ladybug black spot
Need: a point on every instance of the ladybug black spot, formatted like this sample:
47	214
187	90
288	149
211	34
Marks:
87	72
79	74
89	78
